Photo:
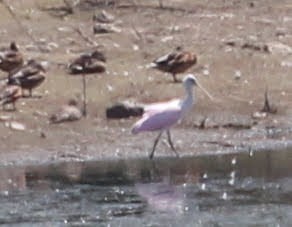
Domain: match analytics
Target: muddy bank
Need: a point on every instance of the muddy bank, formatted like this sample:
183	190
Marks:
236	63
117	143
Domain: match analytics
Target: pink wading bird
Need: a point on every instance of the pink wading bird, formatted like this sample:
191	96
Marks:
161	116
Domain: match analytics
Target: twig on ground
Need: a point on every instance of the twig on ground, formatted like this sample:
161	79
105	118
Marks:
85	37
14	16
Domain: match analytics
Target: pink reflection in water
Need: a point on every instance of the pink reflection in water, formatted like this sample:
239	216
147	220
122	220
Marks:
162	196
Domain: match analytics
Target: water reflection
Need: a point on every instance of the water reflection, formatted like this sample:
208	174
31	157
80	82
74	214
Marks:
12	179
162	196
181	170
195	191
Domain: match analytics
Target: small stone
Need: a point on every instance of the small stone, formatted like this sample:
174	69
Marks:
105	28
43	135
237	75
69	112
103	17
5	118
279	48
15	125
259	115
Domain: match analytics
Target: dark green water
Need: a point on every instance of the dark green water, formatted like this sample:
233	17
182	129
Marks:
244	189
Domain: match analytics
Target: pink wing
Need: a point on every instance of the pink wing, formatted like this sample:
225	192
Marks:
157	120
162	106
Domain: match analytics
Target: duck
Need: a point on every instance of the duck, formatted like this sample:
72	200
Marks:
9	95
28	77
88	63
68	112
10	58
175	62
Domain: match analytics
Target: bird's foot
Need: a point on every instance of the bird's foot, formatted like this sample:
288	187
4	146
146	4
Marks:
151	156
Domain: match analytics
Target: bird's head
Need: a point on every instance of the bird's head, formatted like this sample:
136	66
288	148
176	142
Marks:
73	102
13	46
190	80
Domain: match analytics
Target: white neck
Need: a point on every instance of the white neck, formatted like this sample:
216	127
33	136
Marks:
188	101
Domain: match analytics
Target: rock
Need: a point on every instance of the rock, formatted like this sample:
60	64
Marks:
225	121
105	28
255	47
279	48
124	110
69	112
248	45
259	115
5	118
15	125
103	17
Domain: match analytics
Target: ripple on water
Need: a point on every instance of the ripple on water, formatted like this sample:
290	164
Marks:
203	190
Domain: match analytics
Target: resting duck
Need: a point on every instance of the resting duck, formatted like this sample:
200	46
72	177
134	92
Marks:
175	62
93	62
28	77
10	58
9	95
69	112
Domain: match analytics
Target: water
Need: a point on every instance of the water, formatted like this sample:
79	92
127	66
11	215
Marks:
211	190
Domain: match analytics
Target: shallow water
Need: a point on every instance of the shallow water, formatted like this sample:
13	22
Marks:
244	189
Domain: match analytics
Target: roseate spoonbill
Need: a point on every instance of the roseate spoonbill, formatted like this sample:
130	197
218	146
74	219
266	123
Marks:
10	95
88	63
175	62
10	58
161	116
29	76
69	112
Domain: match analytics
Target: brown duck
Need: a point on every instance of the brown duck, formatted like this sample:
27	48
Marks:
87	63
69	112
28	77
175	62
10	58
9	95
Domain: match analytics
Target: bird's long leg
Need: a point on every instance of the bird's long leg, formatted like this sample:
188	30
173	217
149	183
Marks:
154	145
175	80
25	94
170	143
84	96
13	105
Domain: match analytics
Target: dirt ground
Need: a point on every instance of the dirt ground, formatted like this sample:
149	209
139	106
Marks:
243	47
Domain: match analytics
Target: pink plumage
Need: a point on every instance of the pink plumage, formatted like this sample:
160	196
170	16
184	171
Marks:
158	116
161	116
